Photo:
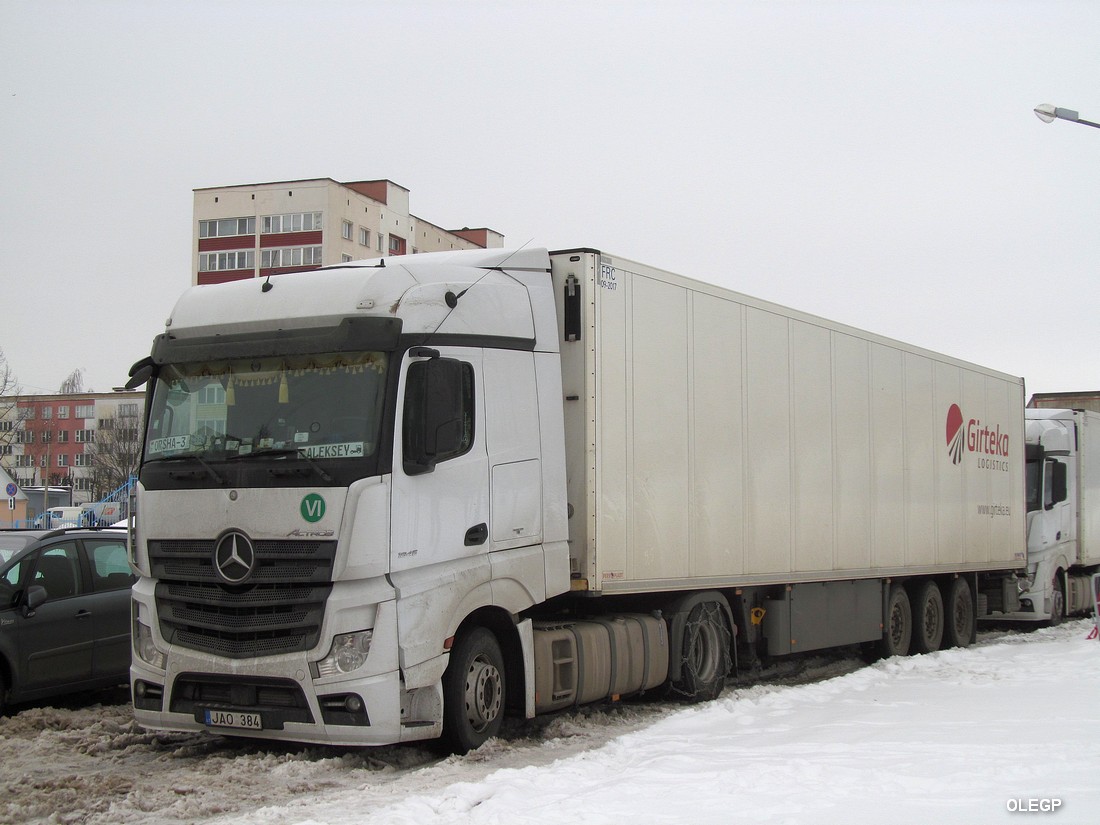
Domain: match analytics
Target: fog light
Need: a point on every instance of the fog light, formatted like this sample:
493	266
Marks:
354	704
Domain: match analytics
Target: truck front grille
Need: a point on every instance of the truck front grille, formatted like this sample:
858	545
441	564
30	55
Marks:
279	609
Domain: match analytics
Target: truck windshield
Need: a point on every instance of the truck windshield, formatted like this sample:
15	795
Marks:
319	407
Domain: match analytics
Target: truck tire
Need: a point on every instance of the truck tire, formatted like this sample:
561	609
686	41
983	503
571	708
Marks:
897	625
928	618
958	628
473	691
1057	600
706	659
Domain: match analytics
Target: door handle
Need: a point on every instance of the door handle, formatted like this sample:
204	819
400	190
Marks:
83	614
478	534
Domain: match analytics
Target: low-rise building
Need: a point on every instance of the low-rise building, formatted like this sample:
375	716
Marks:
54	439
261	229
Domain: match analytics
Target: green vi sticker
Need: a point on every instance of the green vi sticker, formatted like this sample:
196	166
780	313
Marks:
313	508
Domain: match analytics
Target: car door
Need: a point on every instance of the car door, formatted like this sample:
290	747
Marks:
109	604
55	640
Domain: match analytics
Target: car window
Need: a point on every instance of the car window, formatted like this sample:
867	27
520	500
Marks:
58	570
110	568
9	584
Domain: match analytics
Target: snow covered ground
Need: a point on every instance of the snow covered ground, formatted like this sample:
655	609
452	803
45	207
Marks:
959	736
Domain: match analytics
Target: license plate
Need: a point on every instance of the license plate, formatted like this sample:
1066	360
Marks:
234	719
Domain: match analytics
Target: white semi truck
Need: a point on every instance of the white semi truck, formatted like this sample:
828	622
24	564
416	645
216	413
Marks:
391	500
1063	515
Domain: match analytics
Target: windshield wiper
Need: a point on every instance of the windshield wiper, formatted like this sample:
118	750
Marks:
214	474
285	452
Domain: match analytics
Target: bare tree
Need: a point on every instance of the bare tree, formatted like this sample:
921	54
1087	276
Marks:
10	411
73	384
115	453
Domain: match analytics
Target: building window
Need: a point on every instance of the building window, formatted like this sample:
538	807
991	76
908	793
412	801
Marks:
85	436
131	409
291	256
294	222
218	261
364	236
7	426
47	413
226	227
62	460
24	436
62	412
5	449
381	241
85	411
62	436
345	230
47	437
397	245
82	460
25	414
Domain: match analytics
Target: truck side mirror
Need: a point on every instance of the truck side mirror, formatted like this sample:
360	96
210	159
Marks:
1059	486
437	418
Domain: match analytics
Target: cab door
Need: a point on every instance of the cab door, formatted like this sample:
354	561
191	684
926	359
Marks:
441	473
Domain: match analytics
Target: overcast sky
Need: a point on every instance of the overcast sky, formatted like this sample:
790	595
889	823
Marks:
877	163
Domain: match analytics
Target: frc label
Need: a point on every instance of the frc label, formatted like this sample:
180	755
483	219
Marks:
313	508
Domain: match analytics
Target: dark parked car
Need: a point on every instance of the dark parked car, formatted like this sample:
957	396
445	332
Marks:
64	612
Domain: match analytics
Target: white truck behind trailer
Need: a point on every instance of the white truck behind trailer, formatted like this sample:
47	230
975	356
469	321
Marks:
388	500
1063	515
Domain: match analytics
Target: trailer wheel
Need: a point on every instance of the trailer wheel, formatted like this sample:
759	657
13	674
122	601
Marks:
928	618
1057	600
958	630
473	691
898	626
706	654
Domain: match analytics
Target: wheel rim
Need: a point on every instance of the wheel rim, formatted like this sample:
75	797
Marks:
704	656
1058	602
897	624
484	693
931	619
962	615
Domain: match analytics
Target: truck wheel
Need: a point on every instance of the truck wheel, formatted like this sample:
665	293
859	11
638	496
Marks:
928	618
898	626
706	654
958	630
473	691
1057	600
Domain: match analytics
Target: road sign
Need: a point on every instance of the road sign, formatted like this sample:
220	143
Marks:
11	489
11	503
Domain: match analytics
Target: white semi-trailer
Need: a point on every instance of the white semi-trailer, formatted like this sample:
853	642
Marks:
1063	514
392	500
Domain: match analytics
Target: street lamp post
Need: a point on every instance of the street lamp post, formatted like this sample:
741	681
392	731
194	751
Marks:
1048	114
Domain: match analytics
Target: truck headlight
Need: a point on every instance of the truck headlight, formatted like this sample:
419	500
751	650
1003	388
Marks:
349	652
145	646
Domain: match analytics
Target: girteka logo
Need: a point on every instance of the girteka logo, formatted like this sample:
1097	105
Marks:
990	444
955	434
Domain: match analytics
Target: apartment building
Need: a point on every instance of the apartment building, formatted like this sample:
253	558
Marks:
257	230
52	439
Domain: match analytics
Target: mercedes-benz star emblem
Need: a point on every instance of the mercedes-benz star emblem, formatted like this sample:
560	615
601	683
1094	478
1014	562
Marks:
234	557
